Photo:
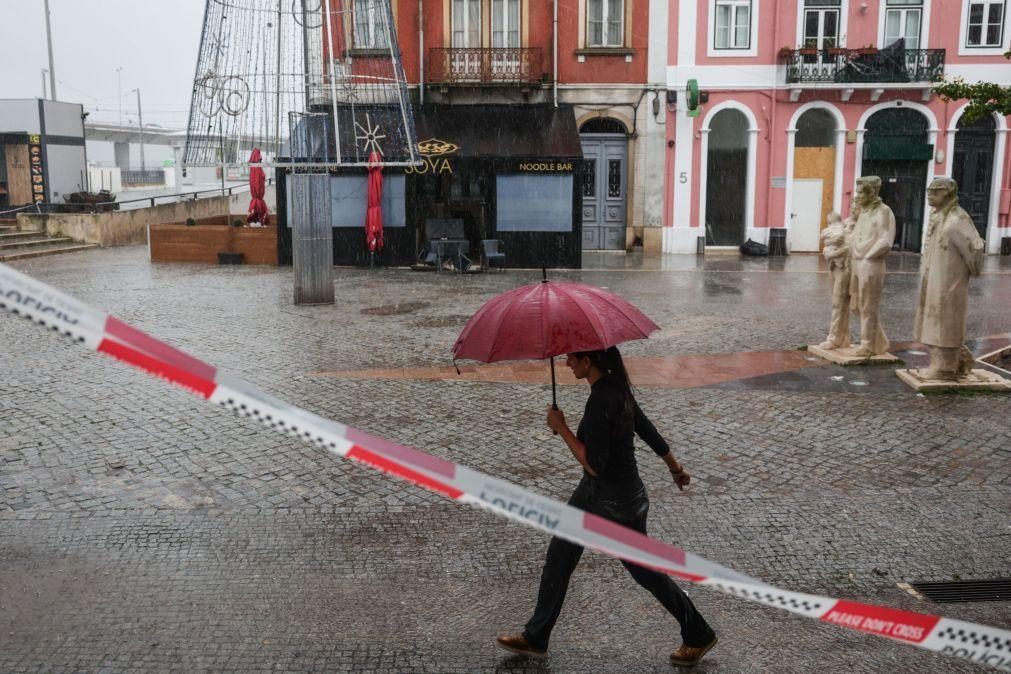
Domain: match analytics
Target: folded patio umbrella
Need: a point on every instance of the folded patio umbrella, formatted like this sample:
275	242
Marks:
374	211
548	319
257	188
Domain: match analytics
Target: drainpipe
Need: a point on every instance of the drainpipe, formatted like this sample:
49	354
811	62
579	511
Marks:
772	132
421	52
554	49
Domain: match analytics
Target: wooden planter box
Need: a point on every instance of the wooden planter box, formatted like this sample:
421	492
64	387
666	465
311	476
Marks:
202	243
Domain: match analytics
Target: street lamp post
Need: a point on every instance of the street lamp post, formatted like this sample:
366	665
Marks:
44	71
119	90
140	119
49	41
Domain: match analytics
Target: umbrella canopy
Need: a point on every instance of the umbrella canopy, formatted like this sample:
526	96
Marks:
257	188
548	319
374	213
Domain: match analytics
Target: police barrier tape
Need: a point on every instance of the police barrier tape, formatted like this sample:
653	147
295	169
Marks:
20	294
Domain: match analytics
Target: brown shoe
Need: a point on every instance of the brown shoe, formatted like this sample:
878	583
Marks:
519	644
689	656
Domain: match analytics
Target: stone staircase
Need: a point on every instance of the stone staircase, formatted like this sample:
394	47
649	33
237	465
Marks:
18	245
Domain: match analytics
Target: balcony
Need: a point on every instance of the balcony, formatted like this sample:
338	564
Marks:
864	66
485	66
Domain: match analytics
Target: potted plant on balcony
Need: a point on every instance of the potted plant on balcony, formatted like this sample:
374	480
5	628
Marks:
838	51
785	52
866	51
808	50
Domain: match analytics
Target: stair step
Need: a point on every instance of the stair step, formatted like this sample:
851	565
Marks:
10	237
8	228
44	241
40	252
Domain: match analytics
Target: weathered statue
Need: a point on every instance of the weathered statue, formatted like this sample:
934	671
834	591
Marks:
872	238
953	252
837	251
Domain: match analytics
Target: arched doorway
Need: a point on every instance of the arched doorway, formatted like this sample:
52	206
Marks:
813	178
604	183
972	168
896	149
726	178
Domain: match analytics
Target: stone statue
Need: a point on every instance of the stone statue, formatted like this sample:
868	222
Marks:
871	240
953	252
836	250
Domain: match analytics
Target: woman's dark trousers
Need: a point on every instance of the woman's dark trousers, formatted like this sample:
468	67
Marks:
563	557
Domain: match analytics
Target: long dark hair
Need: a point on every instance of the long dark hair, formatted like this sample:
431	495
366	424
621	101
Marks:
610	364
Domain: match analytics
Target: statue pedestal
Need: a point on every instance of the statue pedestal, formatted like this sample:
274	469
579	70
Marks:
977	380
846	356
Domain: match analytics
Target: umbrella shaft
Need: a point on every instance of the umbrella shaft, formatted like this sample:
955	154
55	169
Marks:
554	402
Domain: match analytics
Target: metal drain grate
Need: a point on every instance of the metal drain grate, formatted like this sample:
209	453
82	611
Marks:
998	589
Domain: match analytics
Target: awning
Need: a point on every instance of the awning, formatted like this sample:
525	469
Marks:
498	131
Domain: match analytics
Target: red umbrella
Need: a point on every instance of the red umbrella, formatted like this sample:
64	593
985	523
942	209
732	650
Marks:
374	214
547	319
257	188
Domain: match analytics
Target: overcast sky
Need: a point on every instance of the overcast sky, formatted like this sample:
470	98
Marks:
154	41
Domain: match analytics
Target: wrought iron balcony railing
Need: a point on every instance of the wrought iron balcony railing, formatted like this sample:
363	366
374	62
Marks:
849	66
467	65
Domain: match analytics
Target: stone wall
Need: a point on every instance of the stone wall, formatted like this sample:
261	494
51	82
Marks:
120	228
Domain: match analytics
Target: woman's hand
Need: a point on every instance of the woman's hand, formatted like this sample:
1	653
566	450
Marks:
681	478
556	420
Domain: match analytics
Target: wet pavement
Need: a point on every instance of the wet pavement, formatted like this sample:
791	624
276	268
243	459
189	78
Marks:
141	529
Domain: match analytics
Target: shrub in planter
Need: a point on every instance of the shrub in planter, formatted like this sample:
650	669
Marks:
190	222
238	222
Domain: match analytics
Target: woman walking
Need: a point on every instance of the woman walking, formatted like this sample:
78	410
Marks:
610	488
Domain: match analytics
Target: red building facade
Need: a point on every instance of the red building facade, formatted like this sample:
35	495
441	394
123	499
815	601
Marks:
588	58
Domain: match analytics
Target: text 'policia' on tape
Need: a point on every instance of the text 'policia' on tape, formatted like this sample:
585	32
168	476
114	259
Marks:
100	332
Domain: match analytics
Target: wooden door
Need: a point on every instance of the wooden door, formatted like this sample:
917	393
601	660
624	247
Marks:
19	179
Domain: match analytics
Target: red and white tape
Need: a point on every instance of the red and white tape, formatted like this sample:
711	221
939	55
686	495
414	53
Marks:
20	294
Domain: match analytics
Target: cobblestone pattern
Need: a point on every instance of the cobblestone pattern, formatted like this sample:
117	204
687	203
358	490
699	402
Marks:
143	529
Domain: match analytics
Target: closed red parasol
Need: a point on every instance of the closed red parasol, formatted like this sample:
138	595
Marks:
374	214
547	319
257	188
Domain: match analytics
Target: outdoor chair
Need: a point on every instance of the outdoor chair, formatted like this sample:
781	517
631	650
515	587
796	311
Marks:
492	254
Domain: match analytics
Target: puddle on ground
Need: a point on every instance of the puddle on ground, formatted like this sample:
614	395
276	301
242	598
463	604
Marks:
394	309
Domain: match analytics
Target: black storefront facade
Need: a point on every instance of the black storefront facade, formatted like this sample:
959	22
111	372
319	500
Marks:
506	172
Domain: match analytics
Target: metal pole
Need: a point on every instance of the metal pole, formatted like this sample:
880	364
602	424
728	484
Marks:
49	40
421	52
554	49
119	91
140	119
277	94
44	71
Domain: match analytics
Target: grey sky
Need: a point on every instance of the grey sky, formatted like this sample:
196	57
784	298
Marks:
154	41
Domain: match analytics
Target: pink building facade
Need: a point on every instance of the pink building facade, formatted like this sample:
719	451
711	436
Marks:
804	96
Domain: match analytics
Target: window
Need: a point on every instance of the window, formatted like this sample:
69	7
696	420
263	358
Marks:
533	203
986	24
733	24
466	23
821	23
605	21
505	23
349	200
370	25
902	21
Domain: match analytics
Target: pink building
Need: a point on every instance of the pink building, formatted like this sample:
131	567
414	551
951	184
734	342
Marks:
804	96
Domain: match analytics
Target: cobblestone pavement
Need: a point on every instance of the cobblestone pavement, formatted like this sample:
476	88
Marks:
142	529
